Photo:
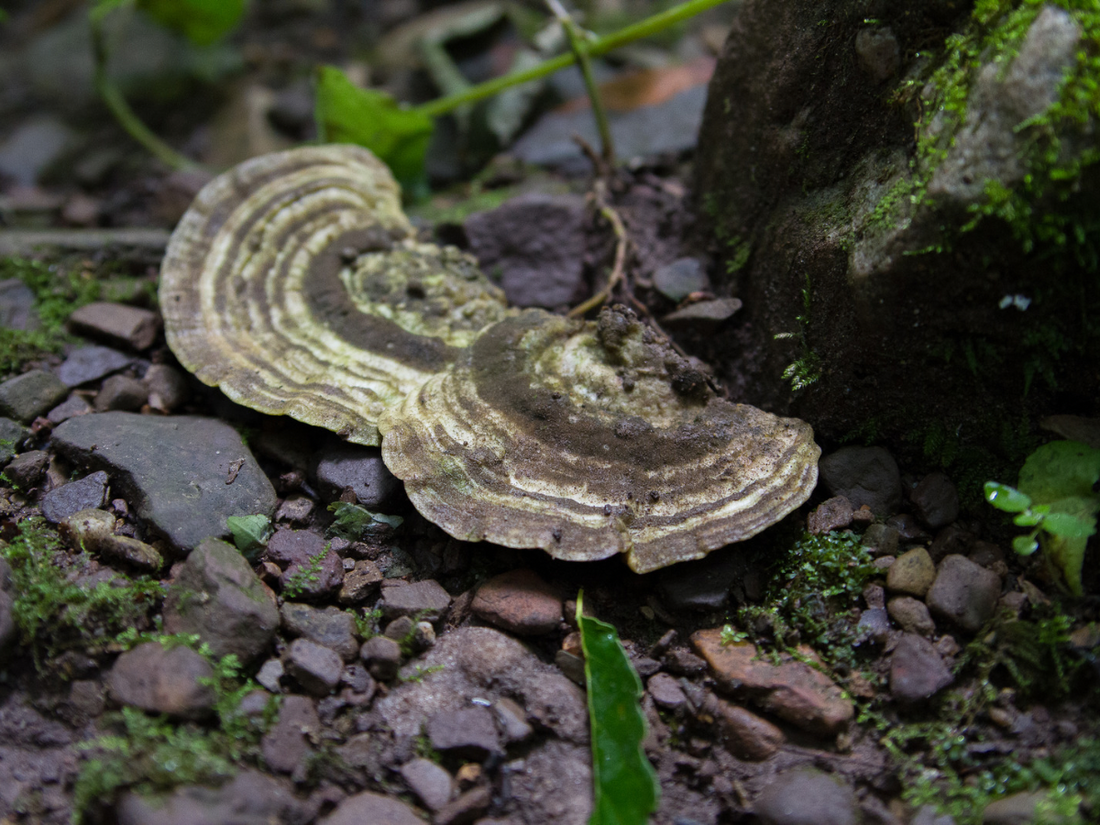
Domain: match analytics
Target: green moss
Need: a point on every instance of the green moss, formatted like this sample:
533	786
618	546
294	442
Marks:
53	611
153	754
58	290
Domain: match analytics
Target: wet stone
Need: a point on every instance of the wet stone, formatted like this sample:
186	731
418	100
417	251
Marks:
431	784
424	599
89	364
288	743
468	807
185	475
341	466
702	316
167	387
833	514
806	796
296	509
12	435
964	592
30	395
1016	809
512	720
359	582
468	733
161	680
746	735
117	323
94	530
26	470
121	392
666	691
911	615
270	675
912	573
935	500
315	667
310	569
329	626
217	596
701	585
916	670
373	808
881	540
382	656
71	407
520	602
864	475
89	492
874	624
792	690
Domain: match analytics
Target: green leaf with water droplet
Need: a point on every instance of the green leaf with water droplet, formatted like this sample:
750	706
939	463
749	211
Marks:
625	789
1006	498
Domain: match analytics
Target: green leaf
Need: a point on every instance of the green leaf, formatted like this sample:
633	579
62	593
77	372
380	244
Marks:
200	21
1029	518
250	533
1068	525
347	114
1025	545
354	520
1061	469
625	785
1006	498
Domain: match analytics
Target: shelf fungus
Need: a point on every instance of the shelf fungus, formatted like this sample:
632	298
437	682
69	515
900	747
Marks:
295	284
589	439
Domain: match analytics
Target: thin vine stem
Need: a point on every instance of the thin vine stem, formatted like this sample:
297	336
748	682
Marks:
643	28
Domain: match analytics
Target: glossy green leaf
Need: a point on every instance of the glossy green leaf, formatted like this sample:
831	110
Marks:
353	521
250	534
1028	518
347	114
625	789
1006	498
200	21
1068	525
1025	545
1061	469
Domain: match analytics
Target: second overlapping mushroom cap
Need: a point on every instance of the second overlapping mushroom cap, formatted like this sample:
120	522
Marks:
293	283
589	439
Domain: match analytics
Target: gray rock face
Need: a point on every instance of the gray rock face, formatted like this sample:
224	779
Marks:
989	145
936	500
431	783
217	596
69	499
90	364
27	469
864	475
340	466
287	744
964	592
118	323
536	242
17	305
30	395
469	733
519	601
121	392
184	475
250	798
802	160
161	680
805	796
916	670
32	147
424	599
680	278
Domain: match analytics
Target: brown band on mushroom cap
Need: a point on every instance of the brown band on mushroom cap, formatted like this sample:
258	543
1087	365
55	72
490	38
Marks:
267	291
589	439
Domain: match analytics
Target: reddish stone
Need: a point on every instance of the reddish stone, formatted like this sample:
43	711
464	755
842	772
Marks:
520	602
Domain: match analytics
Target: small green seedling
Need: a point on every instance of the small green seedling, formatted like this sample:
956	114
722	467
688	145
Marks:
250	534
625	789
353	521
1057	498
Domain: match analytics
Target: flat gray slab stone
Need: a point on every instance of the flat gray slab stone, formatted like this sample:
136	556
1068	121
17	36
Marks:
183	474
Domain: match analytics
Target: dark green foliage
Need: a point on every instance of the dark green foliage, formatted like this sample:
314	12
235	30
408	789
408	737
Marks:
201	21
53	611
625	784
354	522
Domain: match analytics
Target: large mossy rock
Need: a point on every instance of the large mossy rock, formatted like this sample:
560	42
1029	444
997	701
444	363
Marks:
906	197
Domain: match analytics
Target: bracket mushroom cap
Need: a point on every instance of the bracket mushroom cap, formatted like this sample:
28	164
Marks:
588	439
294	284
